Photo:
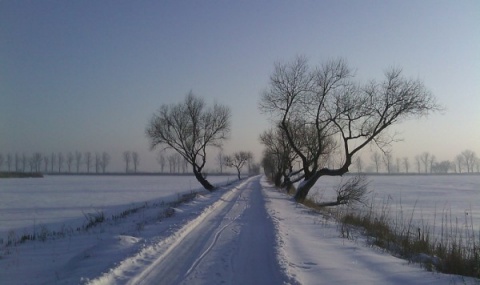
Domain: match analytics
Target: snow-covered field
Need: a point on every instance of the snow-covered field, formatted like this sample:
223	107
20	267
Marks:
455	198
245	233
56	201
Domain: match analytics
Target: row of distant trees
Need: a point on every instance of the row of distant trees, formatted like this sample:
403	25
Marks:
175	163
56	162
88	162
465	162
131	157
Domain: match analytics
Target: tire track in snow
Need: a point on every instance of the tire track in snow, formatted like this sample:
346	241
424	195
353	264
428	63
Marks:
215	239
247	254
183	247
136	269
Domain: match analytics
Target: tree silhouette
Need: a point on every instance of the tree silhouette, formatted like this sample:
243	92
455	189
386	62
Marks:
189	128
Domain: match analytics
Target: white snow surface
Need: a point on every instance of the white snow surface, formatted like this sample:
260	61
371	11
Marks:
59	201
245	233
429	199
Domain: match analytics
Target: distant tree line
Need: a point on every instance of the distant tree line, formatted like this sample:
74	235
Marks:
69	162
175	162
134	158
383	162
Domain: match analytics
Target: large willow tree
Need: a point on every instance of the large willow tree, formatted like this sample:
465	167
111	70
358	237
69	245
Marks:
328	105
189	128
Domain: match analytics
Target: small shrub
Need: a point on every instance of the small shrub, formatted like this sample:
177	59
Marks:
26	237
167	213
11	238
43	233
128	212
93	219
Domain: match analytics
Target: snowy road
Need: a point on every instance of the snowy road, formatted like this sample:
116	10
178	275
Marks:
254	234
231	243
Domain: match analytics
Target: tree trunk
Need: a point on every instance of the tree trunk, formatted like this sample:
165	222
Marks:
203	181
278	179
287	183
310	180
238	173
305	186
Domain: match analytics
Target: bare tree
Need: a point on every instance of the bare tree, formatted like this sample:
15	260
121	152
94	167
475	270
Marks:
135	160
238	160
254	169
279	157
98	162
88	160
31	163
387	160
189	128
431	162
17	162
327	101
397	164
24	162
406	164
220	160
78	160
269	166
172	163
418	161
459	161
376	159
60	161
161	161
37	161
250	165
127	157
441	167
70	158
469	159
46	160
53	157
425	159
9	161
105	161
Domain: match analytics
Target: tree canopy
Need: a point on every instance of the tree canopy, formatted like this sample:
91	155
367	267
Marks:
189	127
321	109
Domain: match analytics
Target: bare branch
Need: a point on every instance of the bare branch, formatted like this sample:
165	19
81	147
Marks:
189	128
321	108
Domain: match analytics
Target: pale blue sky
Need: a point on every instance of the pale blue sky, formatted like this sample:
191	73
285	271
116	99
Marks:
88	75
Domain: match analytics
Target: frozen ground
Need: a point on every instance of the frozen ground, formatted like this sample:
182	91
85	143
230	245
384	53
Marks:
246	233
430	198
56	201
